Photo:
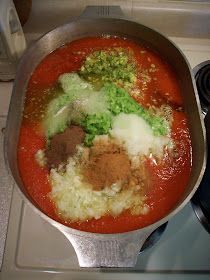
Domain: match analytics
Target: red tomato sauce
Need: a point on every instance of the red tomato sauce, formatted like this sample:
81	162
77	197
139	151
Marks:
168	177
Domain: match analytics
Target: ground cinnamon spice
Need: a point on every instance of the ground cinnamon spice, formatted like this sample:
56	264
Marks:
63	145
107	168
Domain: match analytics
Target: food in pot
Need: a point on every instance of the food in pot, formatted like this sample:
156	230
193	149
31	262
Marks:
104	141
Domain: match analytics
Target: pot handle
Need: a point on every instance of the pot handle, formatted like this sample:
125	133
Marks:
103	12
120	250
106	250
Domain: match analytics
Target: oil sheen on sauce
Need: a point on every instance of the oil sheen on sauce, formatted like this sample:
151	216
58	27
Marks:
168	177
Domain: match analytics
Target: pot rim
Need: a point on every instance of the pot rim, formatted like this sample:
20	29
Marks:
62	227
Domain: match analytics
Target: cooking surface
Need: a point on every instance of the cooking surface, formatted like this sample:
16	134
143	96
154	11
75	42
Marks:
35	249
47	248
200	200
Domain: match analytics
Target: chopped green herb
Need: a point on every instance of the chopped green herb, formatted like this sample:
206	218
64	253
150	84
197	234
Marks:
88	141
78	103
121	102
115	66
97	124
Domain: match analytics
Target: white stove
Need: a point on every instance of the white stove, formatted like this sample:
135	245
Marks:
36	250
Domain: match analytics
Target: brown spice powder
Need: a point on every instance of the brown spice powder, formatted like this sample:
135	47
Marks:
107	168
63	145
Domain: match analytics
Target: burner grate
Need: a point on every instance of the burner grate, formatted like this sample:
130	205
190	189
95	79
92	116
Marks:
202	78
153	237
200	200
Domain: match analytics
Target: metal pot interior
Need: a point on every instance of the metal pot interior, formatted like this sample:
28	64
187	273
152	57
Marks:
118	27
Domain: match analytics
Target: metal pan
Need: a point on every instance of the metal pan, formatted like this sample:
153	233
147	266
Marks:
107	250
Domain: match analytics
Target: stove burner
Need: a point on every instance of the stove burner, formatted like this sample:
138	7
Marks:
154	237
201	199
202	78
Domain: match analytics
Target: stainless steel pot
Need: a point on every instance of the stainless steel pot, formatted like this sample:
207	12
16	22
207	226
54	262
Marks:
107	250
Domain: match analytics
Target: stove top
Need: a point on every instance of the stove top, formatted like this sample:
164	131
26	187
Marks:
36	250
201	199
34	247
